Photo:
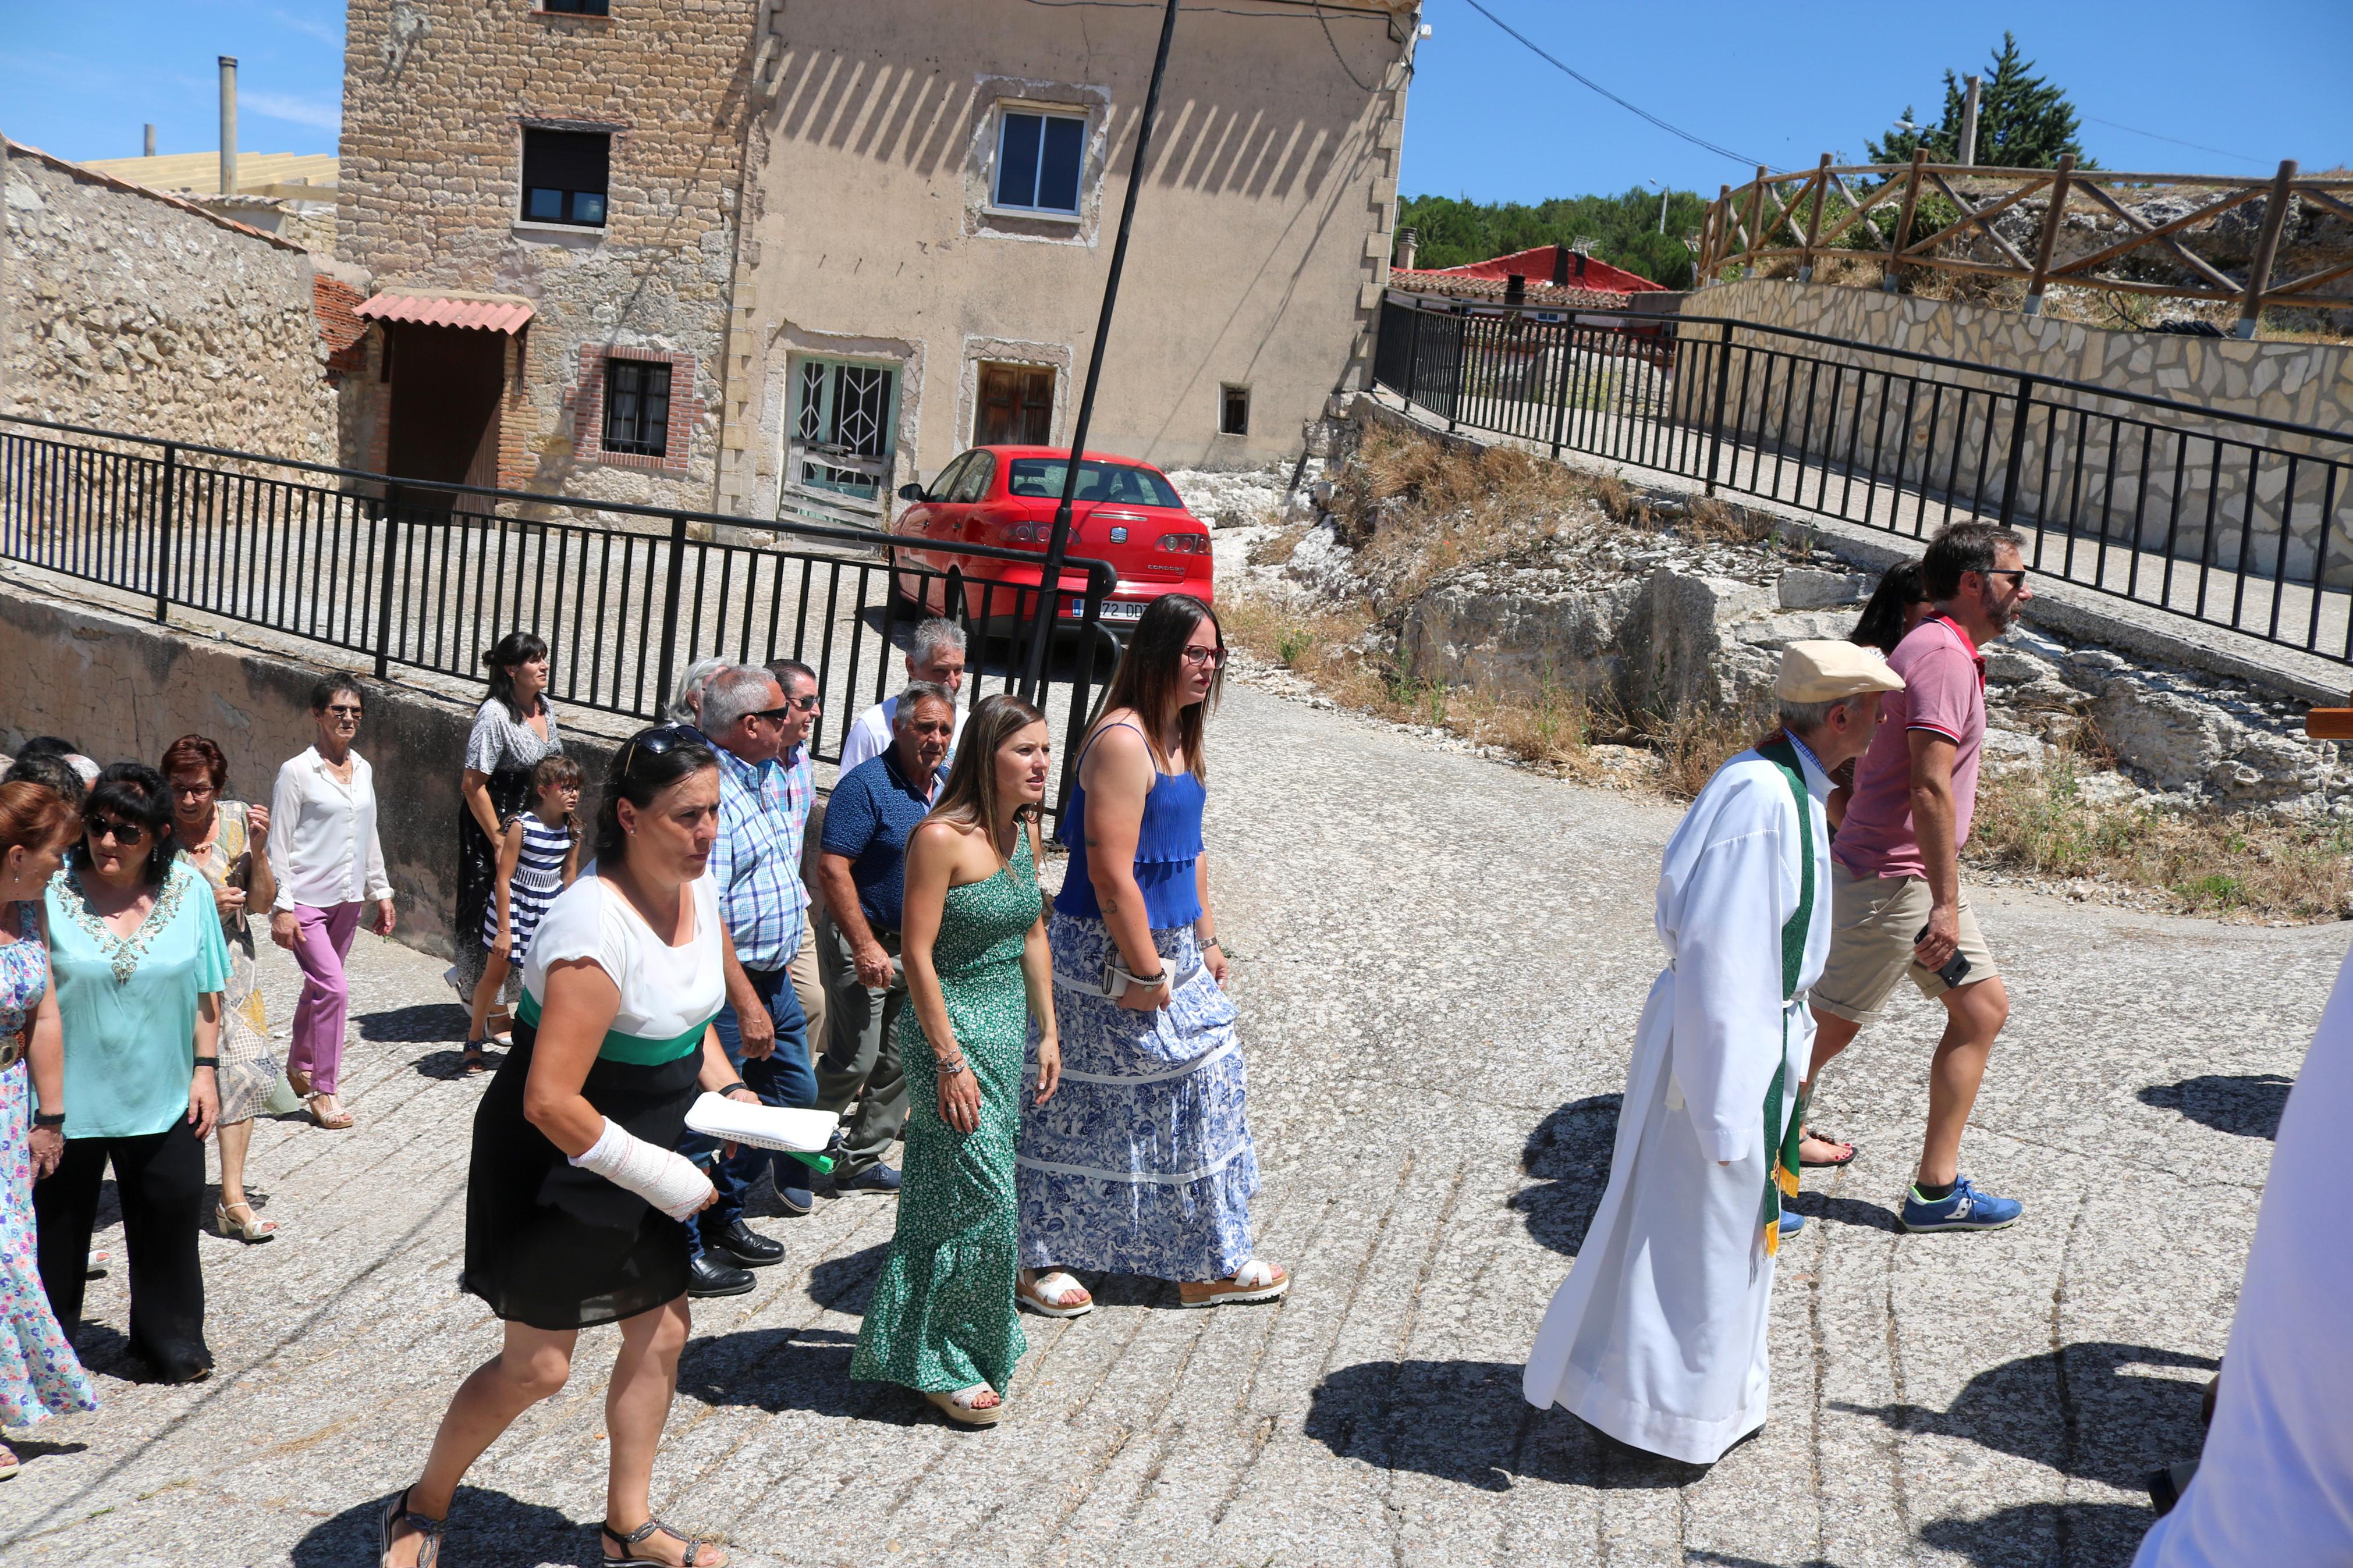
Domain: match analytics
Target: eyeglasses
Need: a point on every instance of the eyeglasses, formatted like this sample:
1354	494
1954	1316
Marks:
660	741
127	834
1212	657
193	789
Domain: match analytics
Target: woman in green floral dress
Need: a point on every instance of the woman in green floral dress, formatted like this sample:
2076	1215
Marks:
972	938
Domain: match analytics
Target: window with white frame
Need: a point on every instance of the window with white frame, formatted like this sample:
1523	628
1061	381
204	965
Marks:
1040	159
843	414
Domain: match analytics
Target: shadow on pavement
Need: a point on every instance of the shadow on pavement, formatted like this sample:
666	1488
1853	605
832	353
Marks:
777	1369
2247	1107
1466	1421
1846	1211
2093	1534
2083	1411
1570	1154
486	1528
419	1023
844	1284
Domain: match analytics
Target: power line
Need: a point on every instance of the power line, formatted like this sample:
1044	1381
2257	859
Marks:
1345	69
2177	141
1540	53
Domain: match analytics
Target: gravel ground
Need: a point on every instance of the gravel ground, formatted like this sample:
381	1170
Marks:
1440	960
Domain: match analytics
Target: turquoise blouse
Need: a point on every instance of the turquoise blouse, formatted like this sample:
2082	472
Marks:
129	1005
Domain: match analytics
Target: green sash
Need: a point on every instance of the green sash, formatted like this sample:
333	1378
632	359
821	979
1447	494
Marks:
1781	1140
634	1050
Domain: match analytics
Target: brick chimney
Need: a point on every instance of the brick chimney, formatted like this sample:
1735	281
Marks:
1406	241
1516	289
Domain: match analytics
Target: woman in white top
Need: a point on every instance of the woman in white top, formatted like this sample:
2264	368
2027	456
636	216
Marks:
575	1201
328	864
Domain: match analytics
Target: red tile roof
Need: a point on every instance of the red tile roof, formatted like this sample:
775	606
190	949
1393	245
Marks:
1455	285
336	303
490	312
1543	263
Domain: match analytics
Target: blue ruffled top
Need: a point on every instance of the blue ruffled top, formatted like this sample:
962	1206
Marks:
1167	844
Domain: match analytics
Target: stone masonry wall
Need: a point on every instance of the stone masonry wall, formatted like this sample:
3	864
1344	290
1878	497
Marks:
2099	477
437	94
132	311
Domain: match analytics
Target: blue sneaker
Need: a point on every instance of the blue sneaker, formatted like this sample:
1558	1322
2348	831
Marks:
794	1194
873	1179
1964	1208
1793	1222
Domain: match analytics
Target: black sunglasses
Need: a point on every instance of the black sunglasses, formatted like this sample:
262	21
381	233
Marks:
123	833
659	741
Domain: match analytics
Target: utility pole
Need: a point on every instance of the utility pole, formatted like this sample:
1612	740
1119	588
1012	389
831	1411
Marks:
228	125
1663	205
1050	580
1970	122
150	152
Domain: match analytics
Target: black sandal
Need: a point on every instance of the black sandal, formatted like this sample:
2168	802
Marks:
628	1543
472	1060
1851	1150
396	1513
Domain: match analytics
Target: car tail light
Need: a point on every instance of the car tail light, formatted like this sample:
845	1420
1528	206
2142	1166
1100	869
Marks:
1185	544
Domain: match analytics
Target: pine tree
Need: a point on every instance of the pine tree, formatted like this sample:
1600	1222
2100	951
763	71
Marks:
2023	121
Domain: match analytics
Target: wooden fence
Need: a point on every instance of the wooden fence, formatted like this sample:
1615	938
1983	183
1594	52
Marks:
2188	236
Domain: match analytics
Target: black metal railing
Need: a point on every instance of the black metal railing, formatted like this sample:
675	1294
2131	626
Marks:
2227	520
427	577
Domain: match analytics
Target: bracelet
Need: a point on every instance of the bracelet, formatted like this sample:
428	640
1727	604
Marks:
212	1062
950	1069
732	1088
1213	942
45	1119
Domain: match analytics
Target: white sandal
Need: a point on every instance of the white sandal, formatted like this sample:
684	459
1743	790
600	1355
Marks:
1048	1296
958	1407
1254	1282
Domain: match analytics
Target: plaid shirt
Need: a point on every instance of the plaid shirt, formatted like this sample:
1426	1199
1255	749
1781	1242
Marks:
757	862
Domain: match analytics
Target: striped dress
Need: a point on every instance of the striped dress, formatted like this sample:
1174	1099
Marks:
538	877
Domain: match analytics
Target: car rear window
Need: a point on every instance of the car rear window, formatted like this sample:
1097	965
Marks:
1041	478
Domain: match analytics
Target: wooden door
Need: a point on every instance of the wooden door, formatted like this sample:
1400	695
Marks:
1016	408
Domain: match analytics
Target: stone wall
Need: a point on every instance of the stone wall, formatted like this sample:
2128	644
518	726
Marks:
134	311
2212	488
122	688
436	95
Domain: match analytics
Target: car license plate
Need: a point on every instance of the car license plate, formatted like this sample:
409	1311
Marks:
1113	610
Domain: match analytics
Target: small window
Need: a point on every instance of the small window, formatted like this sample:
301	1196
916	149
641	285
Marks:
1038	161
972	485
579	8
565	174
1233	411
637	407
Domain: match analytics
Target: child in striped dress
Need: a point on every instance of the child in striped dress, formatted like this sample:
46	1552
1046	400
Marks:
538	854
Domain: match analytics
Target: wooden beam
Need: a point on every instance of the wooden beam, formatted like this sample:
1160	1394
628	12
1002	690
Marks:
2209	210
2329	724
2053	217
1977	218
1755	234
1820	187
1904	223
2259	275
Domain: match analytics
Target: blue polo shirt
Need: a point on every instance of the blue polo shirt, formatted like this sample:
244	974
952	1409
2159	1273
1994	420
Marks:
873	810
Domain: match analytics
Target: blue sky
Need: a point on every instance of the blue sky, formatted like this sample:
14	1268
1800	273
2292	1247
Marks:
2250	82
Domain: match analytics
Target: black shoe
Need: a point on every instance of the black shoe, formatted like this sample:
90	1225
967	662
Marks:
744	1245
706	1275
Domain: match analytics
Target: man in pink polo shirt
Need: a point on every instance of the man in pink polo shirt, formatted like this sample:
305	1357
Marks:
1897	907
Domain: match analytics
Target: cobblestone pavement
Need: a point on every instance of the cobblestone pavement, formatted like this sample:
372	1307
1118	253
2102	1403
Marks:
1439	961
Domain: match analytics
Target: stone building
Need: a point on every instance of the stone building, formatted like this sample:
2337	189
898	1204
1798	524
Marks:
773	258
128	309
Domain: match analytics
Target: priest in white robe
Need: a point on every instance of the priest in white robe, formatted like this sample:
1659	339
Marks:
1658	1336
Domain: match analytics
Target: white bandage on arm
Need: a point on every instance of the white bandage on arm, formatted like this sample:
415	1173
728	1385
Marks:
666	1179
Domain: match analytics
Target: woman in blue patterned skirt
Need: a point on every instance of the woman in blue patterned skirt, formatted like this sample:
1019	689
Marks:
1142	1163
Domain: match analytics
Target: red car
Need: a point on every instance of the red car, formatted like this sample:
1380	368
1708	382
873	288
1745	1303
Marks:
1126	512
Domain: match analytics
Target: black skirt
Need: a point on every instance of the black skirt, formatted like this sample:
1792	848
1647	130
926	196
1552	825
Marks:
558	1247
477	865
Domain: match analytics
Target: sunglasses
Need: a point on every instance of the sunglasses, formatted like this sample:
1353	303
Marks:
657	742
344	710
2017	575
126	834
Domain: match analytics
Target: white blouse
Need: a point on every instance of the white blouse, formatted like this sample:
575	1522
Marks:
666	991
323	841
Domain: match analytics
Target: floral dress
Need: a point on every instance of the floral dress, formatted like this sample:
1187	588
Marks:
39	1374
249	1068
943	1316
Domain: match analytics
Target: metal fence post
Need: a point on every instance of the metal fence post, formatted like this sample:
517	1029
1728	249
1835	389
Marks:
164	531
670	590
1461	359
1413	355
2016	449
1716	419
385	581
1560	392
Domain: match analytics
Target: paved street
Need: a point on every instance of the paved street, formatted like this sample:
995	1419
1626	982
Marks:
1439	960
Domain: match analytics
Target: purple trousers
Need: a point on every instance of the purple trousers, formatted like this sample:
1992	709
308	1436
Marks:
322	941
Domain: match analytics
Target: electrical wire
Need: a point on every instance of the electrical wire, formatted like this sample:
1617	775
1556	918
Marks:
1539	52
2177	141
1344	67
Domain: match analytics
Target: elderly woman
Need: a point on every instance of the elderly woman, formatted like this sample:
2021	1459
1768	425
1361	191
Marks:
328	864
135	946
39	1375
227	843
514	728
575	1205
1144	1163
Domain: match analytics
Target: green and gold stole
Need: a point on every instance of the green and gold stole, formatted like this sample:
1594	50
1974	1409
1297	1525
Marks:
1781	1140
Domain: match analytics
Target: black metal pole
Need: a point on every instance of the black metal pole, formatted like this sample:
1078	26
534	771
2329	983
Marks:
1049	581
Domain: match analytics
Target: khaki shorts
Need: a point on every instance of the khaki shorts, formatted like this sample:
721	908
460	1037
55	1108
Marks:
1874	922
